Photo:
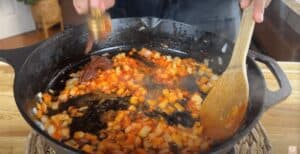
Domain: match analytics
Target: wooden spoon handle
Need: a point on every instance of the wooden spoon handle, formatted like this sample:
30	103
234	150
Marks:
243	39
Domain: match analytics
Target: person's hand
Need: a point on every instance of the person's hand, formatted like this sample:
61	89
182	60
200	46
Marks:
81	6
258	8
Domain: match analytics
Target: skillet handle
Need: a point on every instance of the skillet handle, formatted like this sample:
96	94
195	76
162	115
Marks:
16	57
273	97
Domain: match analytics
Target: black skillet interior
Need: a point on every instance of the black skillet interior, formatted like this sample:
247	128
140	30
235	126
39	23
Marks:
65	51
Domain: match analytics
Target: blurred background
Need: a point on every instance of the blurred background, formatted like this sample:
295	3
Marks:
23	24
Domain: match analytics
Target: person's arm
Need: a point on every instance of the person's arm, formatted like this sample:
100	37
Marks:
81	6
258	6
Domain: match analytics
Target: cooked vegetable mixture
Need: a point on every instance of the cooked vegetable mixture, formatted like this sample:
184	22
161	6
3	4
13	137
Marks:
135	102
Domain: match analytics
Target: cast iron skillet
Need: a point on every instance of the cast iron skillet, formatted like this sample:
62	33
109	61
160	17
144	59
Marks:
40	66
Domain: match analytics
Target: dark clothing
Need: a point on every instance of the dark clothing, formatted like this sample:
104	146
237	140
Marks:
219	16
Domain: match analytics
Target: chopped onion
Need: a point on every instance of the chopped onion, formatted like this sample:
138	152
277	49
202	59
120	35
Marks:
39	96
196	98
34	110
167	138
54	105
65	132
51	91
144	131
65	123
71	83
83	108
189	70
145	52
51	129
200	72
128	129
169	58
44	119
146	144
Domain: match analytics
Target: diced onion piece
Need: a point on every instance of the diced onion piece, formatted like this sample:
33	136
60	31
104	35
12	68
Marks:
54	105
189	70
145	52
39	96
167	138
71	83
146	144
156	55
44	119
132	108
144	131
83	108
78	135
65	132
87	148
134	100
90	137
196	98
51	130
179	107
34	111
163	104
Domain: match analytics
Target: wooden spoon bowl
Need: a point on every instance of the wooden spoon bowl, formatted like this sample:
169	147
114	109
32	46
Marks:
225	107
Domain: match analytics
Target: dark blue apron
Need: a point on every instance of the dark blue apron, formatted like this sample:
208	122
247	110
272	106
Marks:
218	16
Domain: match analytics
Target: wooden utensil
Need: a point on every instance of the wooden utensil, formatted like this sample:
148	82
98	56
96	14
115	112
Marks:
225	106
99	26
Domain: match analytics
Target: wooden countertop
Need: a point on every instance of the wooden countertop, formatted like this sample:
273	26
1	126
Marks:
282	121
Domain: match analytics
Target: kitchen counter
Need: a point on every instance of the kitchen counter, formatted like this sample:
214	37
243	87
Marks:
282	122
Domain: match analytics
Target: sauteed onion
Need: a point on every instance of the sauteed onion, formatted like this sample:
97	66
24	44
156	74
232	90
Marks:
135	102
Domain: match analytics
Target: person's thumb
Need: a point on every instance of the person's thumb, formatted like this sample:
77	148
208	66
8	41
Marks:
81	6
244	3
98	4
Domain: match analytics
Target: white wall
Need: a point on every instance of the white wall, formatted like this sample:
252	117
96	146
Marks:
15	18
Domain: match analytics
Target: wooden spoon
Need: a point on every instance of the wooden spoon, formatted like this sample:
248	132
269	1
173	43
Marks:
225	106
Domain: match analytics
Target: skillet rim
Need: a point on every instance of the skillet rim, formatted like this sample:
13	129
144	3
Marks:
17	79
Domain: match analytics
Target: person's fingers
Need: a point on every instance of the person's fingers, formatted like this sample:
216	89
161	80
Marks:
258	10
81	6
108	3
102	4
98	4
267	3
244	3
